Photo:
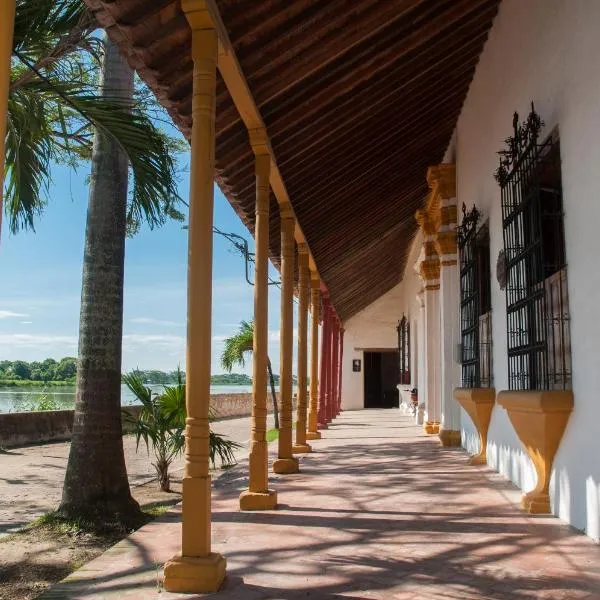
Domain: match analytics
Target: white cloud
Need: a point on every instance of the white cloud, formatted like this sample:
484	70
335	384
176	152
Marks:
26	322
152	321
9	314
167	343
27	340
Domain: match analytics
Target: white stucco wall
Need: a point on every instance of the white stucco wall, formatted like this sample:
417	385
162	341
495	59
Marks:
545	51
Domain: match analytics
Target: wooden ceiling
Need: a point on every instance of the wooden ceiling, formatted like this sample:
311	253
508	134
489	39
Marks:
359	97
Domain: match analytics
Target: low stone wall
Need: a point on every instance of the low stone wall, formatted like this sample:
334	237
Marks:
20	429
227	406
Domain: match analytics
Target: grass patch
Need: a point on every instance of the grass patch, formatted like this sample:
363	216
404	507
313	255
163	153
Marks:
272	435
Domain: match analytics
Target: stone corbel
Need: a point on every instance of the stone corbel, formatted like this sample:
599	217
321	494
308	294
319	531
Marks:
539	418
478	403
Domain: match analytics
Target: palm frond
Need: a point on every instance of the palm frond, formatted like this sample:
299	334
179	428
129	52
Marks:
29	152
237	346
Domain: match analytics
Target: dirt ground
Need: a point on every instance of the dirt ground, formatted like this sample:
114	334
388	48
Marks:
33	558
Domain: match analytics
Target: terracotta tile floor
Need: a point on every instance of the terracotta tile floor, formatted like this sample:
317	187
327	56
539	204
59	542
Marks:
379	511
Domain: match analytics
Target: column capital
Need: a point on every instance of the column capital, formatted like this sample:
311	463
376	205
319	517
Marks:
286	212
315	281
442	179
197	14
259	141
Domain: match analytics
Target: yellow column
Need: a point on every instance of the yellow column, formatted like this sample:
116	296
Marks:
303	287
258	496
315	299
286	462
198	569
7	23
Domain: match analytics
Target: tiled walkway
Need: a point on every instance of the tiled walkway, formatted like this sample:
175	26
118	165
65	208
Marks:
379	511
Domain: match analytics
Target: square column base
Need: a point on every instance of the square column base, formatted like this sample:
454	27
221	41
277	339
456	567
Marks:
313	435
258	500
449	438
195	575
301	448
478	459
285	466
536	503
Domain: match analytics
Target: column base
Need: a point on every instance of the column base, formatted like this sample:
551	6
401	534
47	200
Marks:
449	438
195	575
428	427
285	466
258	500
478	459
301	448
536	503
313	435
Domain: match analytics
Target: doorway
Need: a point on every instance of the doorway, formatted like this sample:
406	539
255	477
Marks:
382	371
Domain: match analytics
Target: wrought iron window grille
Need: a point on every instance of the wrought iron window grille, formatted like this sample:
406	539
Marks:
537	308
403	330
475	301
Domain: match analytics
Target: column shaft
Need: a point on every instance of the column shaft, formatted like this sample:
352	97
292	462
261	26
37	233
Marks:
450	323
303	288
323	366
313	418
7	23
334	368
198	569
258	496
331	342
341	370
286	462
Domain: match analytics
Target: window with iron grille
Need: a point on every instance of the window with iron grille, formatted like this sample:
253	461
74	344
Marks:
475	301
537	304
404	350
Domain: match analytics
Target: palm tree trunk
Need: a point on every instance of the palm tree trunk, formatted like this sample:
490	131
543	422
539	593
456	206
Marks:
96	485
272	381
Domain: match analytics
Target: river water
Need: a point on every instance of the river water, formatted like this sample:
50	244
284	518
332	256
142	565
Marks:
22	399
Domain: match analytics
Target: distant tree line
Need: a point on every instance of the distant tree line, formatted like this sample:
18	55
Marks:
48	370
65	370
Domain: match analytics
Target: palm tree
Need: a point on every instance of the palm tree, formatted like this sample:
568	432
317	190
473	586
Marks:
161	424
235	351
55	112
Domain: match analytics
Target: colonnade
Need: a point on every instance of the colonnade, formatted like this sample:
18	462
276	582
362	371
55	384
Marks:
439	307
197	568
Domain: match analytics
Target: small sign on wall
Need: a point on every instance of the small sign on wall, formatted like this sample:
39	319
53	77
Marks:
356	365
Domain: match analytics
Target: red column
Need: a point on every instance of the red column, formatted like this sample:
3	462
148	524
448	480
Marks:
323	368
340	370
334	365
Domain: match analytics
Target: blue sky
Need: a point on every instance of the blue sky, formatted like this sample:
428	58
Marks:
40	284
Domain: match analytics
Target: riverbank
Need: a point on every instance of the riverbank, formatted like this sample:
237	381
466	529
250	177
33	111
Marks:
28	383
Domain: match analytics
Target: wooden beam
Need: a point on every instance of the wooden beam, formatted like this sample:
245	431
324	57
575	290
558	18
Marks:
236	83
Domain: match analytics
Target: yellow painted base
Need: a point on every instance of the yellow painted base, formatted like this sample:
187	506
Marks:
478	403
449	438
313	435
301	448
539	418
258	500
478	459
536	503
428	427
195	575
285	466
436	427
